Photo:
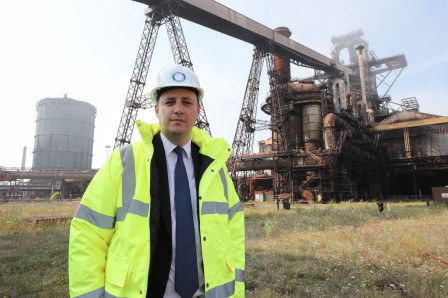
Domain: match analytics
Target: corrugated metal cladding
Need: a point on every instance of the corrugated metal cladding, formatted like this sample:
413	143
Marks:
422	145
64	134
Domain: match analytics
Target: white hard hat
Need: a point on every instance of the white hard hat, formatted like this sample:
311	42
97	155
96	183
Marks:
176	76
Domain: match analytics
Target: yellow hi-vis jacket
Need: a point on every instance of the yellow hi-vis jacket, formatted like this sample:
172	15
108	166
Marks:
109	247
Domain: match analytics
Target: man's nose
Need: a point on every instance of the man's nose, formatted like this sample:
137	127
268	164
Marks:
178	108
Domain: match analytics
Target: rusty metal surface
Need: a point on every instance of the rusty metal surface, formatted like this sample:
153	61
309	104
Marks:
409	118
440	195
426	141
312	126
439	120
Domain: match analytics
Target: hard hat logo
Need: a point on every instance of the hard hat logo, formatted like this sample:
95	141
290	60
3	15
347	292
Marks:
176	76
179	77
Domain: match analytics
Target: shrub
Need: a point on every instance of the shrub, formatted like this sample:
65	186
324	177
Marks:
56	196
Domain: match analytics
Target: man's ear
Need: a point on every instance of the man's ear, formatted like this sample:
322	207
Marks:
199	111
156	108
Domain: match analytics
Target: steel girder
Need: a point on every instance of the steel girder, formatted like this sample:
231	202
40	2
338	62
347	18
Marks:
244	134
181	56
280	131
135	98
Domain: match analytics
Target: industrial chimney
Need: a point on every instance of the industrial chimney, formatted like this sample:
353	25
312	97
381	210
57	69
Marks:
282	65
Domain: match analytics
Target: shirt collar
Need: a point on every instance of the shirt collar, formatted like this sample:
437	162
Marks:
169	147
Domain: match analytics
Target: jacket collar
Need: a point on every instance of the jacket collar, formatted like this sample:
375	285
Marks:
216	148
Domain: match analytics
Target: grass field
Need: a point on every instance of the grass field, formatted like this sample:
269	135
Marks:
334	250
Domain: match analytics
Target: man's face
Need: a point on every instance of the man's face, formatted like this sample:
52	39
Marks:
177	110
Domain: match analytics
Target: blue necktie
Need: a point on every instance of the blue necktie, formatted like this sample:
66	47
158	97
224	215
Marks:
186	277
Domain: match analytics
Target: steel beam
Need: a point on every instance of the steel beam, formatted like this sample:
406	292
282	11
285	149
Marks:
218	17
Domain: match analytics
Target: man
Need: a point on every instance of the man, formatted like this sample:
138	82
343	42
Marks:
161	218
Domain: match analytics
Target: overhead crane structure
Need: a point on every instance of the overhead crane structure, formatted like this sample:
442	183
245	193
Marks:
217	17
310	121
269	45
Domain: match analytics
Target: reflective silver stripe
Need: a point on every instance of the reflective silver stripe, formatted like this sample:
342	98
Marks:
234	209
214	208
227	289
121	213
95	218
239	275
224	290
93	294
224	183
107	295
127	180
139	208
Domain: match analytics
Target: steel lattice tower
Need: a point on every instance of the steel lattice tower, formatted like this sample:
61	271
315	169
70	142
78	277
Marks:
135	98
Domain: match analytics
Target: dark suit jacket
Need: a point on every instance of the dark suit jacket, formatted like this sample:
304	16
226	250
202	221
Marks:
160	215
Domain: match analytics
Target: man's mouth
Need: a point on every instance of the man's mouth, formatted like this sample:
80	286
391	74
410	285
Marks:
177	120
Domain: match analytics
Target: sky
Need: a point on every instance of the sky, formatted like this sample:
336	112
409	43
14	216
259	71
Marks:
87	49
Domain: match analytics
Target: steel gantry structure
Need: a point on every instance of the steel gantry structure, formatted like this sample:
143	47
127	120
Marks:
269	45
215	16
135	99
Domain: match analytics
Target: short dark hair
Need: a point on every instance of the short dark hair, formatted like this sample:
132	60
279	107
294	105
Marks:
165	89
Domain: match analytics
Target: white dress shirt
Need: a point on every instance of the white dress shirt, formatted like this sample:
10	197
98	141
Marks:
171	159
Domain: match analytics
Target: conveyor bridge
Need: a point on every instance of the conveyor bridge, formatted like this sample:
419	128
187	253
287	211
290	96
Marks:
220	18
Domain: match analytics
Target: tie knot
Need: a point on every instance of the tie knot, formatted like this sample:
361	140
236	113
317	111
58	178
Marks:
179	151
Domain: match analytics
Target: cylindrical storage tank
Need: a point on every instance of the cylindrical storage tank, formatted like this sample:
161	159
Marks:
64	134
312	126
282	66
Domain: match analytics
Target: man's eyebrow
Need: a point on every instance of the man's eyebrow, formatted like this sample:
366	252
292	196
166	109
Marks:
188	97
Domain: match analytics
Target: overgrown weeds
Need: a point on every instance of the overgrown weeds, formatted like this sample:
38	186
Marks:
289	253
304	253
12	214
34	264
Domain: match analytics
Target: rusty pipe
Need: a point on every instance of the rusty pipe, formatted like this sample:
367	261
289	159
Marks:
282	65
350	99
331	121
361	108
362	74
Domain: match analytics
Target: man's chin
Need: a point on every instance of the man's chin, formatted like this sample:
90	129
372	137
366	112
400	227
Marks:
178	131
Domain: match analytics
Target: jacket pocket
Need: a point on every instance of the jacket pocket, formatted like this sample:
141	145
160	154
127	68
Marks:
117	271
229	264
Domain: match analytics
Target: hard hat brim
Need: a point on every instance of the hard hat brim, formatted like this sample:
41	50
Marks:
154	92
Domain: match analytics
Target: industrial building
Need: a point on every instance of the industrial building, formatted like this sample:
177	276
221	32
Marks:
337	139
330	139
334	137
64	134
62	155
332	134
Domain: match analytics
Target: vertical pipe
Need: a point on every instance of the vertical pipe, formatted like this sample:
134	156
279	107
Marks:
362	74
24	158
282	65
337	96
324	102
294	123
